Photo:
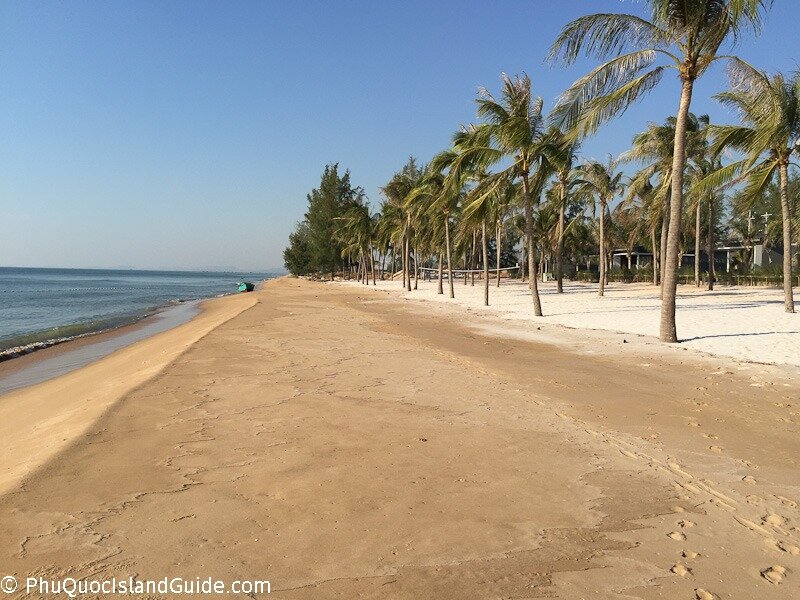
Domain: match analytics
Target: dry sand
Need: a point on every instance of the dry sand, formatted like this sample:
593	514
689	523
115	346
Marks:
745	323
345	445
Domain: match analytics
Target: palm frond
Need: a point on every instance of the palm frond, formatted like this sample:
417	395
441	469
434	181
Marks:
605	92
604	35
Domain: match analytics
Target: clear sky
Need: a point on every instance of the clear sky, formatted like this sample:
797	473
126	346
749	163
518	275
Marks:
187	134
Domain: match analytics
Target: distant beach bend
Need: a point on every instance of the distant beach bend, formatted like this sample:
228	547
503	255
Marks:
342	443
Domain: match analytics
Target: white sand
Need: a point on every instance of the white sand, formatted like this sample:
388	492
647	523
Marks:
746	323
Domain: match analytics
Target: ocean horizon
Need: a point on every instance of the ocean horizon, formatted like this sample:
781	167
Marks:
40	307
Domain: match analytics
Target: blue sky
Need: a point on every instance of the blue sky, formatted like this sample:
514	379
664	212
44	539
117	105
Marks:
187	134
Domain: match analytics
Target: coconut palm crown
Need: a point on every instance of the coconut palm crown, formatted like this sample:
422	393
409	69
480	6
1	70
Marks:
769	136
512	128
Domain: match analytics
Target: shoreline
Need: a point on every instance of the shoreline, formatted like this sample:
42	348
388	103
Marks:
90	347
128	323
44	418
14	364
68	356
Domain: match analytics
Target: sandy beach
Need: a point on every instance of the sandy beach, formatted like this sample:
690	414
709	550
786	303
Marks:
344	443
744	323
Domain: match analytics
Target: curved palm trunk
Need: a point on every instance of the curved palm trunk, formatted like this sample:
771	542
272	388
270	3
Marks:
655	255
440	289
560	246
697	245
404	253
537	303
663	249
449	263
710	243
498	242
408	261
485	245
474	258
372	265
416	266
669	289
786	216
602	289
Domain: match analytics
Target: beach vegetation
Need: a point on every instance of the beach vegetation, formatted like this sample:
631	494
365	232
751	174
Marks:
512	194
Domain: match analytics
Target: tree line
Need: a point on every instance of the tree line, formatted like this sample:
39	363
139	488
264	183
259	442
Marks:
515	179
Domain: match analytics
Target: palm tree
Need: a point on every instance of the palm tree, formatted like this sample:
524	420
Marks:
703	162
390	228
512	129
506	198
769	135
654	147
446	192
480	206
645	201
595	179
396	191
562	153
688	35
356	233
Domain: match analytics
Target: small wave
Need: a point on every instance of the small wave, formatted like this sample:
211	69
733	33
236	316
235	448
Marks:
25	344
17	351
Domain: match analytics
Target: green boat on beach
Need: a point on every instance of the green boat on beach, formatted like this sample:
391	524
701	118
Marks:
246	286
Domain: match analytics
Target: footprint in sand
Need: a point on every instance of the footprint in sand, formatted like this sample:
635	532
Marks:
790	548
681	570
715	448
774	574
787	501
749	479
701	594
686	524
773	519
693	424
677	536
753	499
690	554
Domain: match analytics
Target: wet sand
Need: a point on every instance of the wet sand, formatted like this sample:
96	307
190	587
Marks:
59	359
345	444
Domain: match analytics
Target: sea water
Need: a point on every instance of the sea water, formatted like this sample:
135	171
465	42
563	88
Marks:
41	307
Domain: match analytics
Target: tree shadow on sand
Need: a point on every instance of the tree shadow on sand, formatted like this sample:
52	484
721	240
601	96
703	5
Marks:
724	335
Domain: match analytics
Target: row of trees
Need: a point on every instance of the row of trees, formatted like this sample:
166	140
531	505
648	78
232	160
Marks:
515	177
